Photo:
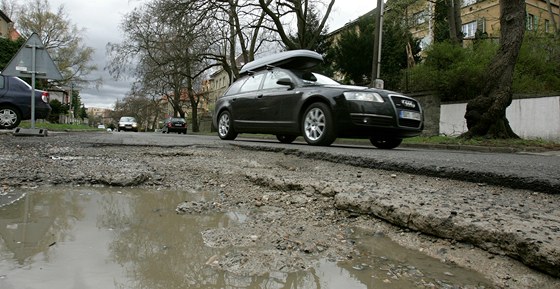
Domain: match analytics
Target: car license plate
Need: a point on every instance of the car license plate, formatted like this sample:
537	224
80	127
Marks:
178	124
410	115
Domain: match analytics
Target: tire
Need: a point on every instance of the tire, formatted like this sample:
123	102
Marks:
385	143
9	117
317	125
287	139
225	126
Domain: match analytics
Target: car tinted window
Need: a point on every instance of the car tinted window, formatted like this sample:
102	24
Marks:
18	84
253	83
234	88
311	78
272	77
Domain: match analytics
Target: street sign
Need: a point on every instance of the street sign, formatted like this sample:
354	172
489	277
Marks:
31	58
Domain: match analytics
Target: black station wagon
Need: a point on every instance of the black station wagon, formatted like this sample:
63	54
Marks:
280	95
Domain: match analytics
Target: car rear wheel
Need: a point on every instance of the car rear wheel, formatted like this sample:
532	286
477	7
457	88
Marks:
318	125
286	138
385	143
9	117
225	126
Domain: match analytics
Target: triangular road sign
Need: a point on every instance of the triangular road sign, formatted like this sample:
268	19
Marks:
22	63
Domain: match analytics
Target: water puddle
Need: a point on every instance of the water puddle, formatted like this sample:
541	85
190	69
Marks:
132	238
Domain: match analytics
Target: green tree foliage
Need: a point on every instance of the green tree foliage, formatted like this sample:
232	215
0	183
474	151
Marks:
456	73
8	48
57	109
353	52
77	104
453	72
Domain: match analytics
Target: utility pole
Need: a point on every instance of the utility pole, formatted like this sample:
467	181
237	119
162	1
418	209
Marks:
376	66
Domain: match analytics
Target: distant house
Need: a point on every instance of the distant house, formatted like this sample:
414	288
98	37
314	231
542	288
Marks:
480	17
7	29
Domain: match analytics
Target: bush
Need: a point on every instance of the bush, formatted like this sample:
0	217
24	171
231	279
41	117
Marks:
538	67
453	72
457	74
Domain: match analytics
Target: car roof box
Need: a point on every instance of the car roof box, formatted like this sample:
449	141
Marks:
293	59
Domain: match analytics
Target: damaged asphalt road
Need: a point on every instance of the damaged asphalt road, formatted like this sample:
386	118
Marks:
477	222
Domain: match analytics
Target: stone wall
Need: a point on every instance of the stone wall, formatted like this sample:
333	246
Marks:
431	107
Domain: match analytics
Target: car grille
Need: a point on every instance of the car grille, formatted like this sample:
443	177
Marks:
402	103
405	103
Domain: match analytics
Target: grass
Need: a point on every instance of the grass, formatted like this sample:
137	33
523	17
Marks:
59	127
514	143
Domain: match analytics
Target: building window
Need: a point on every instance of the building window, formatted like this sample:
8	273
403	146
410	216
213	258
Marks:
468	2
547	26
419	18
530	22
469	29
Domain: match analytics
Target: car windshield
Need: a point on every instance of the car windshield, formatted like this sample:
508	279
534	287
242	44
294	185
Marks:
312	78
131	119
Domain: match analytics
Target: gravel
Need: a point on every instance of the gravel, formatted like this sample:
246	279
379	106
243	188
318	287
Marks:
303	208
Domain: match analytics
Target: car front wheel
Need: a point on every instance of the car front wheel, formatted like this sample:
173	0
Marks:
9	117
318	125
385	143
225	126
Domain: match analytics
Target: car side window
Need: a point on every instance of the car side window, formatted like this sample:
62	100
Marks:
234	88
272	77
253	83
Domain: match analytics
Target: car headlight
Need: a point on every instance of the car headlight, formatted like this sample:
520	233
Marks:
134	124
363	96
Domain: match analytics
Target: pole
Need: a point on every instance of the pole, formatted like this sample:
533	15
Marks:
376	66
33	72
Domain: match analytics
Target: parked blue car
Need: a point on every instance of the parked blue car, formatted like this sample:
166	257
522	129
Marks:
15	102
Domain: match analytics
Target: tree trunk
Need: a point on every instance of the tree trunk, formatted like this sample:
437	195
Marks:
486	114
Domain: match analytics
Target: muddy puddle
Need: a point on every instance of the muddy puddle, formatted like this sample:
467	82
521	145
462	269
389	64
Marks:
133	238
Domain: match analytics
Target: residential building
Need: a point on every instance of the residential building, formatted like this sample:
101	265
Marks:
482	16
7	27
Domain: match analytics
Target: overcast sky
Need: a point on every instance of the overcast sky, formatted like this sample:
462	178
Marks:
101	19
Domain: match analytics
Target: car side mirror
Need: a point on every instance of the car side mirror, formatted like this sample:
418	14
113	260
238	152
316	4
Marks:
286	81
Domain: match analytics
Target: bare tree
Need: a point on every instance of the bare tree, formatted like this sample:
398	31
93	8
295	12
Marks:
308	32
486	114
9	7
61	38
165	43
240	33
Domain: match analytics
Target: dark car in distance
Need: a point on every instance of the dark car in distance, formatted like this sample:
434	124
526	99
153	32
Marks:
174	124
15	102
279	94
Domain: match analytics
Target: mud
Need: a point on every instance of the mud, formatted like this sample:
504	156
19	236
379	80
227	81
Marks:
309	207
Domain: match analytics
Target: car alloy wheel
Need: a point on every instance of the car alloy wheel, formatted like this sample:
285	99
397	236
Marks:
318	125
9	118
225	128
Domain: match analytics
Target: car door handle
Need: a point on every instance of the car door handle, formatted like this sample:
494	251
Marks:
233	99
259	96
